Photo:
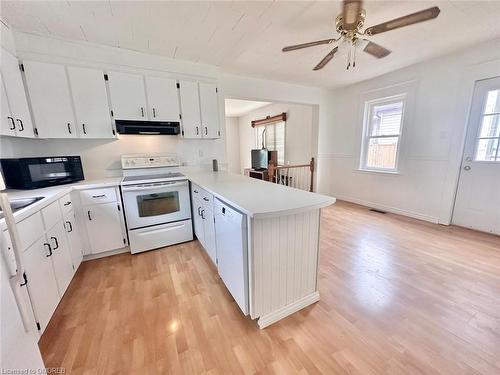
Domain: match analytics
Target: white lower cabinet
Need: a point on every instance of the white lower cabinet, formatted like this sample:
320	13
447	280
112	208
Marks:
42	284
104	227
203	220
75	243
61	257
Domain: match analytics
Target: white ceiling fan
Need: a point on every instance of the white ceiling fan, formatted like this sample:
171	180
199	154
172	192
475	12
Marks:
349	24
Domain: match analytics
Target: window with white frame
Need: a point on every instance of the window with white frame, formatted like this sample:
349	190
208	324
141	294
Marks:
488	140
274	138
383	121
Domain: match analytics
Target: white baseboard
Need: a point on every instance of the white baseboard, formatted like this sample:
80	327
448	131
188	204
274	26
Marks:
106	254
394	210
268	319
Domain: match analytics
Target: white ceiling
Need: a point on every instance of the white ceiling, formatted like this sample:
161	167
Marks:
237	107
246	37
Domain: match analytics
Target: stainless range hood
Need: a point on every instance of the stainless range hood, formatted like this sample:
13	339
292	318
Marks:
147	127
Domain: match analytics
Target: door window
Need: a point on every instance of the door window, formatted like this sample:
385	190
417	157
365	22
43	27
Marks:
156	204
488	140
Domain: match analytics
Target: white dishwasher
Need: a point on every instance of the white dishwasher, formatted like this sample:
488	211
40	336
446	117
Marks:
231	241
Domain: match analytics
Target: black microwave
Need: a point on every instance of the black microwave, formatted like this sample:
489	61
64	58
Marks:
33	173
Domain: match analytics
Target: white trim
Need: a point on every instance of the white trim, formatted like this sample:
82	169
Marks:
266	320
393	210
106	254
380	171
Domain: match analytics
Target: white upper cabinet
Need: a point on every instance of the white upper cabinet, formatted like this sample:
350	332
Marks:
50	99
93	116
199	109
128	96
190	109
14	90
8	125
163	99
209	105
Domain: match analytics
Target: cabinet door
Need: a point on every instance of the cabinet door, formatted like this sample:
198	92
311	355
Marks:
209	105
163	99
61	257
128	97
42	283
93	116
198	219
8	125
73	234
50	100
209	231
104	227
14	89
190	109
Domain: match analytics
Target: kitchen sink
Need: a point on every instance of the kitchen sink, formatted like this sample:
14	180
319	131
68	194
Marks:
20	203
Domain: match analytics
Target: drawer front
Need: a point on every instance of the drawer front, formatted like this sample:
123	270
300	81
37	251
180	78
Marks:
196	191
51	214
66	204
30	230
97	196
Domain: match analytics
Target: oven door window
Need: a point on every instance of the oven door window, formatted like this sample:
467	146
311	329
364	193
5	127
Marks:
157	204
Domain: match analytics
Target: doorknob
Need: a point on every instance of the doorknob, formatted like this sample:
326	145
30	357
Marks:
467	168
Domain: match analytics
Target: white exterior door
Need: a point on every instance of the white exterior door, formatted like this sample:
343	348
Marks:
11	75
163	99
477	204
128	96
8	125
209	106
42	283
104	227
90	98
61	257
50	99
190	109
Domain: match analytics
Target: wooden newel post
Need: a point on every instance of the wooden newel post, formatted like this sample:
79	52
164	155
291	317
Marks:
311	168
271	169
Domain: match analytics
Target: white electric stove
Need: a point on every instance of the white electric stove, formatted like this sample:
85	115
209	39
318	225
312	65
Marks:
156	201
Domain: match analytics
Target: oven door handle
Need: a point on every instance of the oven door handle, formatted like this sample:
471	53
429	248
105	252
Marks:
154	186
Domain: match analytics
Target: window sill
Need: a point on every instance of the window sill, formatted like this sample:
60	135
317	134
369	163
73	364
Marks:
378	172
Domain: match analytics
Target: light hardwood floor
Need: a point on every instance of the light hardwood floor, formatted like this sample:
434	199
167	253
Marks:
398	296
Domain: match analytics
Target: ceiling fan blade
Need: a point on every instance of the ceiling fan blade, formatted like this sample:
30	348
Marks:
376	50
410	19
326	59
310	44
351	10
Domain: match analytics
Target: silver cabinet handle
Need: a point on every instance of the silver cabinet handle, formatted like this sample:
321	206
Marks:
467	168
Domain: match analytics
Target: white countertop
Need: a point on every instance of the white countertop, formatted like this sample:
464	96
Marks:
53	193
257	198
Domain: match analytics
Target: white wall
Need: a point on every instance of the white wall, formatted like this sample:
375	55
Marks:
300	144
233	144
431	142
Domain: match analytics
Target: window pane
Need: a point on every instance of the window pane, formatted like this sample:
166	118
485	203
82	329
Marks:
386	119
280	141
381	153
270	137
490	126
492	102
486	149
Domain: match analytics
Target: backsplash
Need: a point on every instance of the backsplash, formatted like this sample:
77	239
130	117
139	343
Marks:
101	158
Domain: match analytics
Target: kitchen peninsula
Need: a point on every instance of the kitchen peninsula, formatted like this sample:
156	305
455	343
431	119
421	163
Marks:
282	232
